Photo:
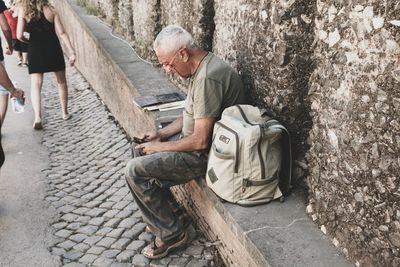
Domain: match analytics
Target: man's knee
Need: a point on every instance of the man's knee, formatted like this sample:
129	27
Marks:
135	171
131	171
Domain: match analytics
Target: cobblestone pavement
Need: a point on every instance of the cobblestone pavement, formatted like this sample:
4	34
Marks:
99	224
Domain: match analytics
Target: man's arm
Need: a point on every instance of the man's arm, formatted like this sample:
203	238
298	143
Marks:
6	83
171	129
162	134
5	28
199	140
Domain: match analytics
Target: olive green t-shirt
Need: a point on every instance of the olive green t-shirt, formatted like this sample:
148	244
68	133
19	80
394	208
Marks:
214	87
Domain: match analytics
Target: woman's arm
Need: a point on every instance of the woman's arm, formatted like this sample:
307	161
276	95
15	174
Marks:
64	38
21	26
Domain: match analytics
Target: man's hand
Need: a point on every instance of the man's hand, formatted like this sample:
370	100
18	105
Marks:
18	93
149	147
152	136
8	50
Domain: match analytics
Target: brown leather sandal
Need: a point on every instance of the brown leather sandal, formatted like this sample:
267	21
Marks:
148	230
158	249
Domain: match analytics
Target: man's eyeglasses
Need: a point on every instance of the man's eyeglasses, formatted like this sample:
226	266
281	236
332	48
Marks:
169	65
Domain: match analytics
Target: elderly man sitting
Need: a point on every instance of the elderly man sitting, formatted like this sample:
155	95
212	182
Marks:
178	153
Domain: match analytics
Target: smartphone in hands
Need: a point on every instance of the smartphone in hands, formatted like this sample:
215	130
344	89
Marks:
138	140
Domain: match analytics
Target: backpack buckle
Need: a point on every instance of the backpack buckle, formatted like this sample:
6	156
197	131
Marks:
245	183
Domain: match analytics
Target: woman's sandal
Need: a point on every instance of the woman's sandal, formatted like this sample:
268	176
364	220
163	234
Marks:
66	116
158	249
37	125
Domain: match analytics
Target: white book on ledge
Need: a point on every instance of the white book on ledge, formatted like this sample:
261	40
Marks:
154	100
166	106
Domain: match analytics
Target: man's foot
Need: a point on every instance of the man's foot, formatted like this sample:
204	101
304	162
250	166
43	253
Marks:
25	65
158	249
19	63
148	230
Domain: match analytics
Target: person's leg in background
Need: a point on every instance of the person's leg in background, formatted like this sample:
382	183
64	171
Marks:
17	51
18	55
25	59
24	52
36	98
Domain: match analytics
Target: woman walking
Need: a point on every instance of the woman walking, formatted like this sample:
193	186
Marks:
44	51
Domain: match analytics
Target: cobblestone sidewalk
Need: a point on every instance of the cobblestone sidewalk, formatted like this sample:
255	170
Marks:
99	224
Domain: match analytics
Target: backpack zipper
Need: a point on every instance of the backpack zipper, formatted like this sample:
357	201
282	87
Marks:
237	143
258	142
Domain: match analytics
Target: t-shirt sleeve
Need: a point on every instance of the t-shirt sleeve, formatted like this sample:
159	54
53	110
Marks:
2	6
207	99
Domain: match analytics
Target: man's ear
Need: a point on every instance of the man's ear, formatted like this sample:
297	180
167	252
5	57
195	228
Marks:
184	55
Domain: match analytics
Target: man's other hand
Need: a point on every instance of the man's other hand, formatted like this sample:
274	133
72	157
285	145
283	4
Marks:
149	147
8	50
152	136
18	93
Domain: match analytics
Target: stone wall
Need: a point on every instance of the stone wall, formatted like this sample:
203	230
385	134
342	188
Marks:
330	71
107	8
268	42
355	106
145	15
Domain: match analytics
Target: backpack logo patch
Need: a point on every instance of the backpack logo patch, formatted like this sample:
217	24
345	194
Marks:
224	139
212	175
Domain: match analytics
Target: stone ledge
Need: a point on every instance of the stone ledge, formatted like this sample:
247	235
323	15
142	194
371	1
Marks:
277	234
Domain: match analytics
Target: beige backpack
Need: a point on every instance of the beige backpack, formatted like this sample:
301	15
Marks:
250	158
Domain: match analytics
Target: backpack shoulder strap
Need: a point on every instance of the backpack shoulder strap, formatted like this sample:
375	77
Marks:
285	179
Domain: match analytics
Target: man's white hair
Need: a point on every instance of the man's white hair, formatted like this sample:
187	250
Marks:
172	38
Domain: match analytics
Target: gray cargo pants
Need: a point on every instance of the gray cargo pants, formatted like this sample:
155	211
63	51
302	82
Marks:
149	178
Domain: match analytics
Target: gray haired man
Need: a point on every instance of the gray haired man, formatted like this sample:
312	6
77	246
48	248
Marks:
178	153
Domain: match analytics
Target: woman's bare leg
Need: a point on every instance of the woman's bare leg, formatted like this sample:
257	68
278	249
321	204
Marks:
36	97
63	91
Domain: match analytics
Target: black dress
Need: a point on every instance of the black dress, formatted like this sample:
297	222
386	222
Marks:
44	49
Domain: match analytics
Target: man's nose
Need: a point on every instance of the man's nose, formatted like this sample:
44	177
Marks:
168	69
